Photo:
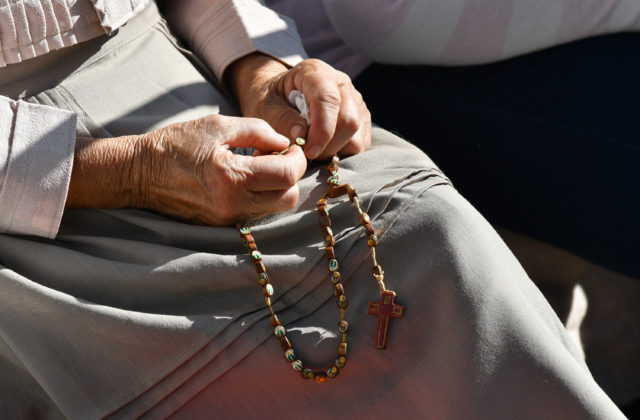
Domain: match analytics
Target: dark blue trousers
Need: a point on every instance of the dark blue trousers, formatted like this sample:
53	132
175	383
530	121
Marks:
547	144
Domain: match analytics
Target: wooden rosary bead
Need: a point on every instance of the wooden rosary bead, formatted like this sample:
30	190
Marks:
338	290
330	253
248	239
319	377
325	221
369	229
352	192
275	320
342	349
327	231
364	219
337	191
259	266
252	246
285	343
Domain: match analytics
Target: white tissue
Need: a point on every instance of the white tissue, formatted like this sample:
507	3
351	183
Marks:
297	99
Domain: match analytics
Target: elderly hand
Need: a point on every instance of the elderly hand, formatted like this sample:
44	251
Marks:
340	120
186	170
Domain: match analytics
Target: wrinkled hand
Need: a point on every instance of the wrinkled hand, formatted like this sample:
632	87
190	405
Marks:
186	170
340	120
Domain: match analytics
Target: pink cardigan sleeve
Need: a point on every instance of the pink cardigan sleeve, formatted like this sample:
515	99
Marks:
221	31
36	156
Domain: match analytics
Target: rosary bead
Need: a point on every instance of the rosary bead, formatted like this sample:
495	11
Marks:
338	290
342	302
329	240
297	365
267	301
267	290
343	326
325	221
364	219
279	331
244	230
256	255
275	320
333	265
260	268
373	240
341	361
322	202
332	180
352	192
300	141
327	231
307	373
320	377
369	229
285	343
290	355
252	246
335	277
330	253
337	190
263	278
248	239
342	349
333	371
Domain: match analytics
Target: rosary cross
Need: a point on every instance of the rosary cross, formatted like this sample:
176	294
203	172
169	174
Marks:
385	309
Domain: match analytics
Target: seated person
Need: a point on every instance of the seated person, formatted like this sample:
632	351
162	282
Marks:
127	291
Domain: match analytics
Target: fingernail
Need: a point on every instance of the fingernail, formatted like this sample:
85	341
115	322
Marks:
296	131
313	151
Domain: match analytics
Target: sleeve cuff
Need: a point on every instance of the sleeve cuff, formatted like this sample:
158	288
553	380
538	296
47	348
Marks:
36	157
232	29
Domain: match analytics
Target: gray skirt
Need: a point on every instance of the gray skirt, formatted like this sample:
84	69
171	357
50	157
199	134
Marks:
128	313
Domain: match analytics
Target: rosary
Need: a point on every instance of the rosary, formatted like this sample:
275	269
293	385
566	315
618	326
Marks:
385	308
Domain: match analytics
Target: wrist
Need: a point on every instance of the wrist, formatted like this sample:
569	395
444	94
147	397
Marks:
108	173
249	78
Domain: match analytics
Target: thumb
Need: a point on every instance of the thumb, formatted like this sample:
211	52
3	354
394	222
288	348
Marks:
285	119
255	133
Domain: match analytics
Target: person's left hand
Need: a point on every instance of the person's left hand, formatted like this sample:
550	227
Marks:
340	120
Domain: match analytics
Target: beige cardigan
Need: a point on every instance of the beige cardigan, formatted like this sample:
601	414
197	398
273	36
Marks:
37	141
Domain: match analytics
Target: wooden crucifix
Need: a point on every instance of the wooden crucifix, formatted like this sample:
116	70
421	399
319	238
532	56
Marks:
385	309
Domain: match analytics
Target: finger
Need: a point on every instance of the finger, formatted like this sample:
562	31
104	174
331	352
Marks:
266	202
256	133
361	140
284	118
349	121
274	172
324	106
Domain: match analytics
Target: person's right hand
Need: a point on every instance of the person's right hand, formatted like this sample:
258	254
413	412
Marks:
186	170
